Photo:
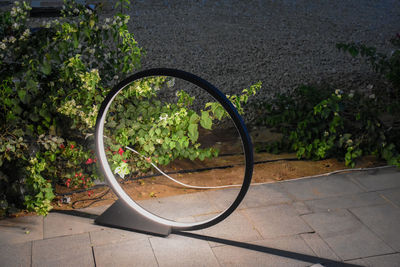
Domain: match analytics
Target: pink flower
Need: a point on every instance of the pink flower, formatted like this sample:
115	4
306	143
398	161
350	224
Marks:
89	161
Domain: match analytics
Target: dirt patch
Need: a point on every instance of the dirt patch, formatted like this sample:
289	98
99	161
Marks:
281	167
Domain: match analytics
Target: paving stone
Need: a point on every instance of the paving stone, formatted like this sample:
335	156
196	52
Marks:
282	251
345	202
321	187
111	235
178	250
319	247
393	195
180	206
74	250
223	199
236	227
379	179
383	261
128	253
264	195
16	254
301	208
346	235
57	224
384	220
21	229
279	220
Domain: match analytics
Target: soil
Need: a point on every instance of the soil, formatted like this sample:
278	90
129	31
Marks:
281	167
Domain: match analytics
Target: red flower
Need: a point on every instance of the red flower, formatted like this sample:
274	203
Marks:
120	151
72	146
76	174
68	182
62	146
89	161
124	160
90	193
80	174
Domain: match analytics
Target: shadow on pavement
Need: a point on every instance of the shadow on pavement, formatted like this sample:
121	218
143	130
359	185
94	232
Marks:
272	251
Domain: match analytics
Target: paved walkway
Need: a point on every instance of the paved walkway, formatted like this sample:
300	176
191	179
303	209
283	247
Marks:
350	219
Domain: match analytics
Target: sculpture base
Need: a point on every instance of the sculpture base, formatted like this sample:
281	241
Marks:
122	216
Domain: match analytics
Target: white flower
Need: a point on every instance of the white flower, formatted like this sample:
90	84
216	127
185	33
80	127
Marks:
349	142
326	133
163	117
76	10
16	3
26	33
372	96
12	39
171	83
15	26
122	170
116	77
2	45
108	20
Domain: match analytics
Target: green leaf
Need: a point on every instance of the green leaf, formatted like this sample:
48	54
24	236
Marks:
205	120
193	132
194	118
21	95
46	67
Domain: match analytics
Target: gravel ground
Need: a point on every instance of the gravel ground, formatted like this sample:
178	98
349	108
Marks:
283	43
234	43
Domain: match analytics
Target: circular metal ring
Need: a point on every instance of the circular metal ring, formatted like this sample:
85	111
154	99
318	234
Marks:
227	105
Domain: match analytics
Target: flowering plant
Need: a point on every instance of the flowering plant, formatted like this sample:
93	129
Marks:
53	80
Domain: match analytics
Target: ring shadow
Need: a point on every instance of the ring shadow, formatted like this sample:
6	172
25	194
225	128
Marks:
269	250
273	251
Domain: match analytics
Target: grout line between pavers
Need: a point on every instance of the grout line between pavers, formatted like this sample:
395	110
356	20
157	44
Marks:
31	261
152	249
251	223
372	231
388	200
323	240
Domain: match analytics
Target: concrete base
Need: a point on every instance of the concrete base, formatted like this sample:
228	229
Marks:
120	215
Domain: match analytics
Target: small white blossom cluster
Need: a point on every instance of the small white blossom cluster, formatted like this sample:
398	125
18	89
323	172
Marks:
3	43
71	109
19	10
90	79
177	117
338	93
117	21
25	35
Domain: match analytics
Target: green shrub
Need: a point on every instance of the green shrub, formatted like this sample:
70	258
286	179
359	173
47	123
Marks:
53	80
318	123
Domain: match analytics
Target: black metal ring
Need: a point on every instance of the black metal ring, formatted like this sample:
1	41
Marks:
221	98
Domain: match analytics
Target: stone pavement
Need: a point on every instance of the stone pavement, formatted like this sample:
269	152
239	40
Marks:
348	219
